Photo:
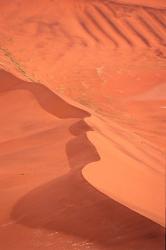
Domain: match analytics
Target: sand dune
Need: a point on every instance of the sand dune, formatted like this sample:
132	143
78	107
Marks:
82	125
42	186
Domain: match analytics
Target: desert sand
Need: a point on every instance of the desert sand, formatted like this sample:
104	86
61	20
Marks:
82	125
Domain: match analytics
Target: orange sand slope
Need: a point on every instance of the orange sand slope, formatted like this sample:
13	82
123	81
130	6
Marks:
82	135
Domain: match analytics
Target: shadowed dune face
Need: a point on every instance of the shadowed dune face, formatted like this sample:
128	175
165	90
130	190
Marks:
74	128
70	205
47	99
43	154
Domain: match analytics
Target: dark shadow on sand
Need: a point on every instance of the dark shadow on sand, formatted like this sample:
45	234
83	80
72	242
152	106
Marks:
47	99
70	205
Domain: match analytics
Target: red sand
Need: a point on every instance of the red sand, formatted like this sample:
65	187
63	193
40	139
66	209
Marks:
85	171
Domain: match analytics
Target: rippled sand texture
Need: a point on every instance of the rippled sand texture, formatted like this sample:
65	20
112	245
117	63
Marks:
82	124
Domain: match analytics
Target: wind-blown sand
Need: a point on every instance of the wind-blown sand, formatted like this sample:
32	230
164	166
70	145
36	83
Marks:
82	125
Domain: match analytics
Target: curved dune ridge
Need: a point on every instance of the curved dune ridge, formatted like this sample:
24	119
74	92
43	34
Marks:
130	171
82	125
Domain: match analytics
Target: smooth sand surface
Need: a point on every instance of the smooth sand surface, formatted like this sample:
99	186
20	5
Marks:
82	125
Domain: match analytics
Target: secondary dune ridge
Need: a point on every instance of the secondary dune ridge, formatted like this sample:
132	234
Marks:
151	3
87	171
